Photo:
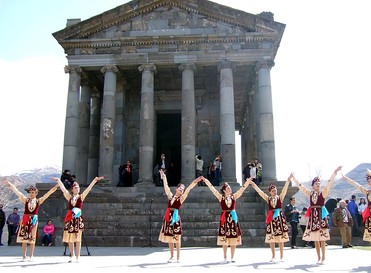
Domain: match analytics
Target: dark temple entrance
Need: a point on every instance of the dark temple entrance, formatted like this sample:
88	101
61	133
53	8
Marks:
168	142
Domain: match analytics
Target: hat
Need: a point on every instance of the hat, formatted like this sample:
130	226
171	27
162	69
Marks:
75	184
316	179
368	174
32	188
271	187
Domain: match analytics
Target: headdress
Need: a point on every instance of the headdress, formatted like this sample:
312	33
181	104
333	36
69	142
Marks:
271	187
316	179
32	188
368	174
75	184
225	185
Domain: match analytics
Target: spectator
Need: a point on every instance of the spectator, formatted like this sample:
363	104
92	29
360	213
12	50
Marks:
253	171
199	167
67	179
292	216
218	169
259	171
342	218
48	234
2	222
211	173
125	175
353	209
12	222
246	171
361	207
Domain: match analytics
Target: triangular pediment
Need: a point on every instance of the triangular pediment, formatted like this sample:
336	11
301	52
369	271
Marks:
145	19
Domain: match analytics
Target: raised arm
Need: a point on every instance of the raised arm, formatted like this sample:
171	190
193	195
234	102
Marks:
301	187
20	195
188	189
166	187
66	194
46	195
91	185
285	187
355	184
326	190
259	191
238	193
216	193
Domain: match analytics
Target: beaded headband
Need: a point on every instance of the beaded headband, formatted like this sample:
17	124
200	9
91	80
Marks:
316	179
271	187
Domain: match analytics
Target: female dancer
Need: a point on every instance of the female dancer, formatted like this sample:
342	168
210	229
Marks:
171	230
277	228
366	214
27	229
74	222
229	228
317	227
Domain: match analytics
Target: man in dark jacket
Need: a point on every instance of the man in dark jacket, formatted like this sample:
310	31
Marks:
292	216
343	219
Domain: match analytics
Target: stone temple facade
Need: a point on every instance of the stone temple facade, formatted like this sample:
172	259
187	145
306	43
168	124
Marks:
168	76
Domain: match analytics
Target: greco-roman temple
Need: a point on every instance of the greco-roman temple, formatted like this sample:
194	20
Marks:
174	77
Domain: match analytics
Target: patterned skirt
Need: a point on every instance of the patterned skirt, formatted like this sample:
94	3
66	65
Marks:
317	228
73	230
171	233
27	229
277	230
229	233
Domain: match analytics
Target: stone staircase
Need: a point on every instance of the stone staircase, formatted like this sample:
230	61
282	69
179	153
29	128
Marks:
132	217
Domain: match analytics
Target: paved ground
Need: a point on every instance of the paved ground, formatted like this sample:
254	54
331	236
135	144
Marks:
147	259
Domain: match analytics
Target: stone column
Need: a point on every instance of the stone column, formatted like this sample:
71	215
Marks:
188	122
146	137
84	128
106	144
72	119
227	122
265	132
93	161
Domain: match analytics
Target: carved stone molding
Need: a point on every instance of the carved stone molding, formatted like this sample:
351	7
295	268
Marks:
226	64
72	69
147	67
185	66
266	63
109	68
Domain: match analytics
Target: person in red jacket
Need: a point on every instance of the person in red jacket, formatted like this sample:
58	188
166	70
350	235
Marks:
48	234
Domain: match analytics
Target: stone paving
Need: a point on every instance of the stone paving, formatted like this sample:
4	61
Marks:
148	259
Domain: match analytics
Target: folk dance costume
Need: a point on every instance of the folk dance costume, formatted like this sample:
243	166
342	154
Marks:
366	214
277	228
171	230
229	232
27	229
73	222
317	227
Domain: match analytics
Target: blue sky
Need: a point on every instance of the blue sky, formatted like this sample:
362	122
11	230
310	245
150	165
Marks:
320	82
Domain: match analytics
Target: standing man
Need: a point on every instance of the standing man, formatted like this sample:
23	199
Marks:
259	171
343	219
292	216
2	222
199	167
12	222
353	209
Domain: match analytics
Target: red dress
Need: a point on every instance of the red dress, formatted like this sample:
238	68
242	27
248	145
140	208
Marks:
171	229
73	223
27	230
229	232
277	228
367	218
317	228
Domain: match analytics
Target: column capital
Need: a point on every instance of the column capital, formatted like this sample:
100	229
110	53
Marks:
72	69
147	67
226	64
190	66
109	68
265	63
